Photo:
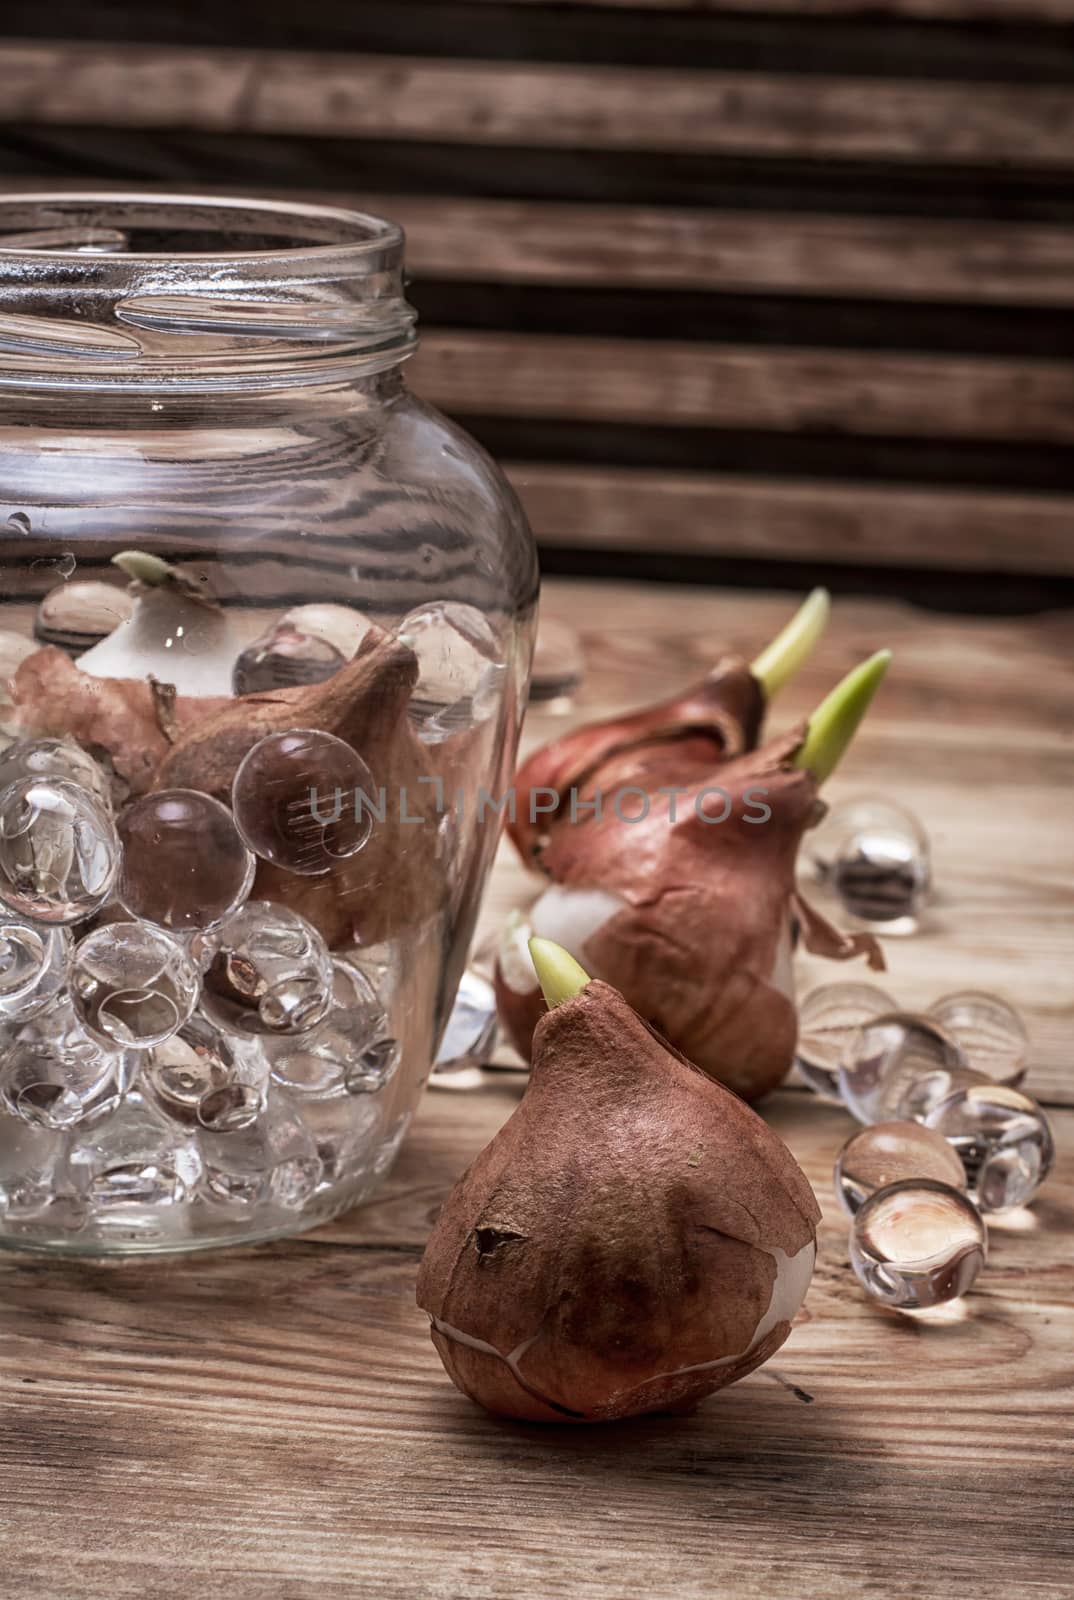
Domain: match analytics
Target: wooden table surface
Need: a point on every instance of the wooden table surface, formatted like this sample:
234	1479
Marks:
274	1421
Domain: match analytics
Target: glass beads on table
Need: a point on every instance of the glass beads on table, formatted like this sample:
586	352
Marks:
59	853
899	1065
1003	1140
33	967
304	800
185	866
132	985
268	971
828	1019
916	1244
892	1152
460	668
991	1033
874	856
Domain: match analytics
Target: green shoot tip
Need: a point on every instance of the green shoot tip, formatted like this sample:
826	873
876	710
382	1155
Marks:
779	661
835	721
560	975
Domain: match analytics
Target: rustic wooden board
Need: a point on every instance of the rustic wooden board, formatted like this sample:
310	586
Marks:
929	10
276	1422
606	107
685	382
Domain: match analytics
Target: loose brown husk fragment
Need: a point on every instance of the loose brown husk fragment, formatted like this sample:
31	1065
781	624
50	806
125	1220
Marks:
395	881
616	1231
707	904
671	742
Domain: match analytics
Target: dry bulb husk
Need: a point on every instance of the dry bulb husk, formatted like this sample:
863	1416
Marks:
633	1238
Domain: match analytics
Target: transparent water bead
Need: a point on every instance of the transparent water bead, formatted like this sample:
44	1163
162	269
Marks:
874	855
268	972
899	1065
303	800
185	865
272	1161
828	1019
54	1074
204	1077
55	758
891	1152
992	1034
132	985
58	850
471	1032
917	1244
33	967
319	1063
1003	1140
136	1160
461	668
30	1159
374	1066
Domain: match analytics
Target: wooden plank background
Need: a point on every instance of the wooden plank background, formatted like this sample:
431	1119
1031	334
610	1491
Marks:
772	282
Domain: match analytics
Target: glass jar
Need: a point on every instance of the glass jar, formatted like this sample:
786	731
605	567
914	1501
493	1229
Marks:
265	631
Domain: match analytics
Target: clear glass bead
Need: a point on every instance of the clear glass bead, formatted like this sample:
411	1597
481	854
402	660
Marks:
205	1077
471	1032
54	1074
874	856
1003	1140
320	1062
374	1066
55	758
132	985
917	1244
304	800
30	1156
272	1161
346	1133
992	1034
891	1152
461	668
306	645
828	1019
33	967
58	850
268	972
135	1163
898	1066
185	866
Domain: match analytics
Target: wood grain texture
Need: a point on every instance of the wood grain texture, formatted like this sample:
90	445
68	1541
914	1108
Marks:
683	382
925	10
275	1421
384	96
620	508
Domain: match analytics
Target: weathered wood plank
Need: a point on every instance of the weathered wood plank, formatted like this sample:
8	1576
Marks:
611	108
660	381
627	509
972	731
1021	11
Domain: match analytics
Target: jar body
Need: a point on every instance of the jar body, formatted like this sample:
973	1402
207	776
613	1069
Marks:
299	687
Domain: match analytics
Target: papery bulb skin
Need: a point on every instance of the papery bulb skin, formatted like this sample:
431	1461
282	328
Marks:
674	741
633	1238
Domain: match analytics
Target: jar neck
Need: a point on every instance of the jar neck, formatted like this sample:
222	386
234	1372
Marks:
160	291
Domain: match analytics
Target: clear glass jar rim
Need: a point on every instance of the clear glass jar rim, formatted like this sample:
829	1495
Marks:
369	234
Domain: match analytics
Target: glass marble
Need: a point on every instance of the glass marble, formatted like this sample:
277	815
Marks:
185	866
59	853
1003	1140
828	1019
874	856
272	1162
461	668
55	758
319	1062
891	1152
898	1061
268	971
54	1074
138	1162
917	1244
346	1134
132	985
373	1066
285	657
992	1034
204	1077
33	967
303	800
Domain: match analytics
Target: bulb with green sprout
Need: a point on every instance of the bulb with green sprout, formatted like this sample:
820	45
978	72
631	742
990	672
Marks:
683	902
